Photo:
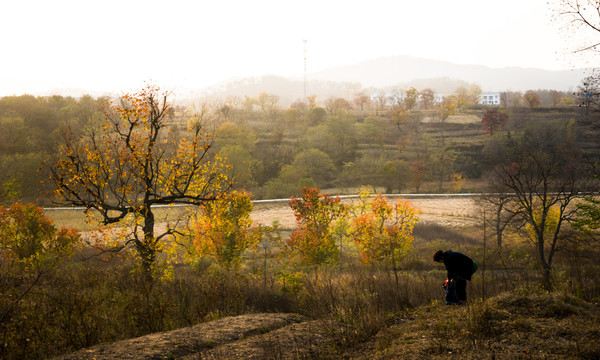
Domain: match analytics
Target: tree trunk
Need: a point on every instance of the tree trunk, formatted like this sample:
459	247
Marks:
546	266
499	227
148	249
395	270
547	279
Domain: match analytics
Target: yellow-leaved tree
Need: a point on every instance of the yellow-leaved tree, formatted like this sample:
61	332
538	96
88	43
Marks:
383	231
132	162
224	230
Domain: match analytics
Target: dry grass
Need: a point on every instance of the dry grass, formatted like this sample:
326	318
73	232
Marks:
77	218
352	312
446	211
508	326
456	119
544	326
185	342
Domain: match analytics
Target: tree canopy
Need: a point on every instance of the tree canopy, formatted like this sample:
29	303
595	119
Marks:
131	162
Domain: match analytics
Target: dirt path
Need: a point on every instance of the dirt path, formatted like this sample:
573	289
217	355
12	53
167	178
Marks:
250	336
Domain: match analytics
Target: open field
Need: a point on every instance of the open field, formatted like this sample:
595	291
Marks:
457	119
447	211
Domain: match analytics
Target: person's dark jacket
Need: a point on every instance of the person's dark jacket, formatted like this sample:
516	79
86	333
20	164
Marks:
458	265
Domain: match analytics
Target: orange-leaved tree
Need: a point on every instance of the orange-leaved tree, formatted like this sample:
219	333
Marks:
134	162
383	233
417	168
30	246
316	214
224	229
493	120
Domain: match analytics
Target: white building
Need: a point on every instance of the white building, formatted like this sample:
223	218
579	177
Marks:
489	98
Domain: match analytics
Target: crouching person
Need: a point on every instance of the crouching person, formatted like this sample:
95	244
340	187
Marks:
460	268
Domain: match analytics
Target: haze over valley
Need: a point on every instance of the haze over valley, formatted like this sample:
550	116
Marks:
381	74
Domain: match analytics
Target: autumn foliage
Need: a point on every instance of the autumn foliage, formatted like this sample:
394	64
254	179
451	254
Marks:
28	237
131	162
30	246
493	120
313	240
383	232
224	229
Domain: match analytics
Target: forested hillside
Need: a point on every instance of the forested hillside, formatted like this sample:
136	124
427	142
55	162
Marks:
402	142
30	131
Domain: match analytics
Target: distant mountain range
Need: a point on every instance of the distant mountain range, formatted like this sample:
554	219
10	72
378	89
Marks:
386	73
392	72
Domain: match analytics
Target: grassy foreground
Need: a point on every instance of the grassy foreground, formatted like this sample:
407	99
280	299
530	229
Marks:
348	311
507	326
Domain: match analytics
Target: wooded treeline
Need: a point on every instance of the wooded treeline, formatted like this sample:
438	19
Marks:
404	143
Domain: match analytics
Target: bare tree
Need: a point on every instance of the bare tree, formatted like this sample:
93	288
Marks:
588	99
225	107
501	205
268	104
427	99
540	171
583	18
381	101
504	99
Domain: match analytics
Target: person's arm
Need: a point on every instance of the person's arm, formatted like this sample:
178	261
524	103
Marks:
449	274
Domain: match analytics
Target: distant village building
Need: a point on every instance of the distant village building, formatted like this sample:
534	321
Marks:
438	98
489	98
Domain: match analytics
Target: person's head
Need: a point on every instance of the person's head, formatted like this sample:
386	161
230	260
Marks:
438	256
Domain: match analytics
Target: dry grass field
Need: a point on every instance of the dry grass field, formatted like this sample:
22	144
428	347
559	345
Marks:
446	211
520	324
457	119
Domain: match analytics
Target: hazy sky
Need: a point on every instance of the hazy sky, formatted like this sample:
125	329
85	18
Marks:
115	45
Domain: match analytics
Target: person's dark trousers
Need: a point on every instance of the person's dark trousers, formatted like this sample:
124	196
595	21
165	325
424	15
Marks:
461	290
451	294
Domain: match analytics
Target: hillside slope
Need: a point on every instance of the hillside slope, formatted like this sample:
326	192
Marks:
541	326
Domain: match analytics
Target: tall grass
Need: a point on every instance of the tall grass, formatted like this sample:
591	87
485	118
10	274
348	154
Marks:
85	302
